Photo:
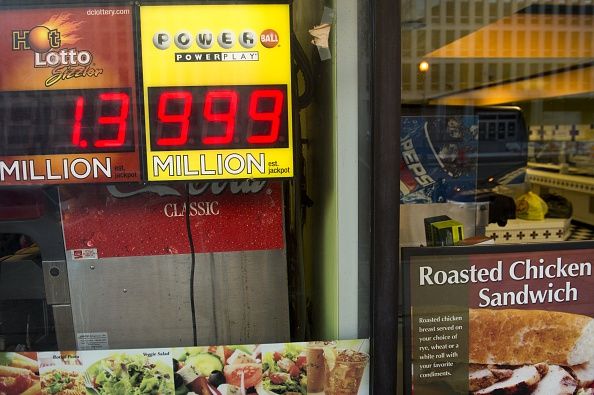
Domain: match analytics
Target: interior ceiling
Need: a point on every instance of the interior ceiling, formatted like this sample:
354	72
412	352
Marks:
573	81
534	32
553	33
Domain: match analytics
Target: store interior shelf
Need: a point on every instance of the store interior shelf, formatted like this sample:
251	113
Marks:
570	182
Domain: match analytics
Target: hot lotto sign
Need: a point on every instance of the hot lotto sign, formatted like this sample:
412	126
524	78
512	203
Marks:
217	87
68	110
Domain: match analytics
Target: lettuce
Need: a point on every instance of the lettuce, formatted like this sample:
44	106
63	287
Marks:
124	374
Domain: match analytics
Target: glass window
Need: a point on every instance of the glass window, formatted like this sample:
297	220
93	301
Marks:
185	197
495	178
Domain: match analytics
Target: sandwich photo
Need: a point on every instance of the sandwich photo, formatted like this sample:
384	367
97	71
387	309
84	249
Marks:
19	374
514	352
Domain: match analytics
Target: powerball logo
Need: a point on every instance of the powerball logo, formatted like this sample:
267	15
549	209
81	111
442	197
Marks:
225	40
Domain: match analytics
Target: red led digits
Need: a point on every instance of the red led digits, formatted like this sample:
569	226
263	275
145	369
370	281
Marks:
227	117
68	121
274	116
121	120
182	119
76	128
218	117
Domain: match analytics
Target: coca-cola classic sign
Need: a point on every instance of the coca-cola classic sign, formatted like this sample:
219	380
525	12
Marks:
136	220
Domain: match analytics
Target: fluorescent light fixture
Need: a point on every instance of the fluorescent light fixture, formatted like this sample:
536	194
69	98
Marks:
538	31
545	32
572	81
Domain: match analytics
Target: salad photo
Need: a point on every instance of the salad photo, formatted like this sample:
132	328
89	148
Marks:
285	370
217	370
130	374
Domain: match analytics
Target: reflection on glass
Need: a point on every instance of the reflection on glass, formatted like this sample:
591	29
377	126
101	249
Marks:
470	56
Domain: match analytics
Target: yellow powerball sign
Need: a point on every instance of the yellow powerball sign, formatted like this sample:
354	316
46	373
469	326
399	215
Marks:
217	88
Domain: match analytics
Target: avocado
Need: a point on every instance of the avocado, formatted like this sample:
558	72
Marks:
181	354
204	364
244	348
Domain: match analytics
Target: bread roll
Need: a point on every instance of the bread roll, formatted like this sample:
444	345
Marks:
9	371
518	337
35	389
21	361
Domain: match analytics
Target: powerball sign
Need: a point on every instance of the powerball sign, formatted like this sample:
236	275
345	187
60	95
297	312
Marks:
217	88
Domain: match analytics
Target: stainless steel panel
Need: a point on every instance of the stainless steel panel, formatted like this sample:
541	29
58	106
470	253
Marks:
55	274
240	297
64	328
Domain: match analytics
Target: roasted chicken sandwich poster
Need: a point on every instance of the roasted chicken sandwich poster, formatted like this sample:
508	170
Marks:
500	320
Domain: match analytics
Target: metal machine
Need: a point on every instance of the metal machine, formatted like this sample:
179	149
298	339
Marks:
173	114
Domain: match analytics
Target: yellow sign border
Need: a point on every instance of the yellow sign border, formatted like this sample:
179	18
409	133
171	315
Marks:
270	25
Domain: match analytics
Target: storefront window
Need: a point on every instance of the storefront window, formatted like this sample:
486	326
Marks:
495	194
185	197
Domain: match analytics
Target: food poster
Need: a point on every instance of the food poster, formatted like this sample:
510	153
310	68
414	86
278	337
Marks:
318	368
330	368
438	158
500	321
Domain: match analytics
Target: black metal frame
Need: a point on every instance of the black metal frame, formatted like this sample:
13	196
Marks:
108	3
385	226
385	88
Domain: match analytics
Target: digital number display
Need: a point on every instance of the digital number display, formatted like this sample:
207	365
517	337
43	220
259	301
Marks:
66	122
218	117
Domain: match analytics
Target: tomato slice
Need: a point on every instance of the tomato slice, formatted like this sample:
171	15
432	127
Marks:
279	378
301	361
294	371
252	374
14	385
